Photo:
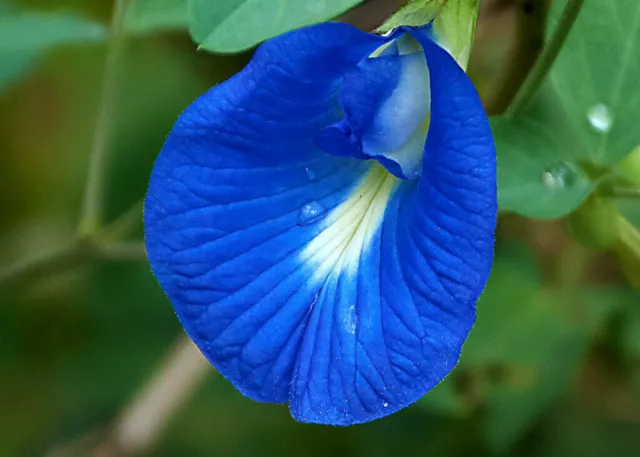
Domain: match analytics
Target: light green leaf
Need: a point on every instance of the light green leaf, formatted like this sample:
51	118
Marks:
26	36
454	23
415	14
455	28
228	26
585	115
539	165
596	77
148	16
628	170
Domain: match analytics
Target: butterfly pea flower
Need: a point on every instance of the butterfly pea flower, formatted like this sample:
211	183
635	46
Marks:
323	221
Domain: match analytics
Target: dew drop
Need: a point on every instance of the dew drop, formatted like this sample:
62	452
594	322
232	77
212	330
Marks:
385	404
600	118
310	173
559	175
310	213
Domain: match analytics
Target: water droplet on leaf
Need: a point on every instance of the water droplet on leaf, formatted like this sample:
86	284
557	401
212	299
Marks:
559	175
310	213
600	118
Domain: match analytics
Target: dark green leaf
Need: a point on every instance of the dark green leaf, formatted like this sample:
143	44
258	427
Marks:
235	25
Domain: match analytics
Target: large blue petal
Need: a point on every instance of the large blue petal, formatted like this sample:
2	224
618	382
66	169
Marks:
385	333
312	278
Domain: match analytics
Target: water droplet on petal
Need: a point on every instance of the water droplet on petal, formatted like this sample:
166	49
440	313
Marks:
600	118
310	173
310	213
559	175
385	404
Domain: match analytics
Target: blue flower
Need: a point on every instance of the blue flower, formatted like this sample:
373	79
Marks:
315	249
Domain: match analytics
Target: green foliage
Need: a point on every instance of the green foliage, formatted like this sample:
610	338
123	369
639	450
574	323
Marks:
539	173
628	170
150	16
584	116
525	350
25	36
454	23
415	14
527	335
595	223
236	25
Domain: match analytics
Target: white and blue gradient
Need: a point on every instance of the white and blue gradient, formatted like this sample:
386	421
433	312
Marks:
386	100
358	311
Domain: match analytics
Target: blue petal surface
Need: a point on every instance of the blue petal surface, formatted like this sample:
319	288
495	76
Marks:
312	278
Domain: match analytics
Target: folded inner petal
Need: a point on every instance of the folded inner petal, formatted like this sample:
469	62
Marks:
386	103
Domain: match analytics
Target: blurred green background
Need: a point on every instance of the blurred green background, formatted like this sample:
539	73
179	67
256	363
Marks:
552	367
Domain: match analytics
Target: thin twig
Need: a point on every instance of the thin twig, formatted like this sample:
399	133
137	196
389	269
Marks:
70	255
628	250
142	422
126	223
92	206
547	58
130	251
62	257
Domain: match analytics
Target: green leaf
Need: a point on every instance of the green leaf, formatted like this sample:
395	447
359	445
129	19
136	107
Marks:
415	14
454	23
599	68
149	16
533	339
539	168
628	170
444	399
228	26
630	208
27	36
585	116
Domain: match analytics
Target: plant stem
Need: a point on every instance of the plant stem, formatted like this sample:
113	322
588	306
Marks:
124	224
141	422
621	192
121	252
92	206
547	58
69	254
628	250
